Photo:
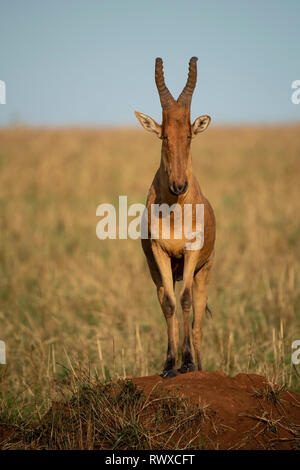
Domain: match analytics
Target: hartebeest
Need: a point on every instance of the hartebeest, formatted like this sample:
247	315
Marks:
169	260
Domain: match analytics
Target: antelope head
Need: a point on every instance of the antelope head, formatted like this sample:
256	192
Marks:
176	130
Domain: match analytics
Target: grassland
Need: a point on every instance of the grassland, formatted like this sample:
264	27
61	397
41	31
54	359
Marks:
70	301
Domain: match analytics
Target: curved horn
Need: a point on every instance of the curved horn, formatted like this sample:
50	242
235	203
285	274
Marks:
165	96
186	96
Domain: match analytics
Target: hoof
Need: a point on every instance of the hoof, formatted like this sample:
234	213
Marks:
190	367
168	374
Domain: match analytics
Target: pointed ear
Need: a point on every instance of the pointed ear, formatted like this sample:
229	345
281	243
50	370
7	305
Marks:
200	124
148	123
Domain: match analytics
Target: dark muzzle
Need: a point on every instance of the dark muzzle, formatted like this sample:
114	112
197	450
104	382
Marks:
178	189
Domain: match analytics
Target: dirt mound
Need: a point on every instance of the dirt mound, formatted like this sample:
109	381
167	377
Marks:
198	410
243	412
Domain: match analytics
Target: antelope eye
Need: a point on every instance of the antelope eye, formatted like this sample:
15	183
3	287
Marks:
189	137
165	137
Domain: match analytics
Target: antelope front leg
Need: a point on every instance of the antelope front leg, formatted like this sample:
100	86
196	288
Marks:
186	296
166	297
200	288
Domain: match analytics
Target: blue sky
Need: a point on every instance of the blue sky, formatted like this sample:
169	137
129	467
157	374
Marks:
91	62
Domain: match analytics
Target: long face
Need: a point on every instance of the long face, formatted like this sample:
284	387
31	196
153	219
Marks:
176	135
176	130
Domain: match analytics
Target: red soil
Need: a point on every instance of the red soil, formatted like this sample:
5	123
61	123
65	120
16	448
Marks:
242	412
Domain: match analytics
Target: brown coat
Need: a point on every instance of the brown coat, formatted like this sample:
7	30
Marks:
169	259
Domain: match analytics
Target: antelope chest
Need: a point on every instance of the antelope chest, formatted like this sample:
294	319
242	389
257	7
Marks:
168	231
174	248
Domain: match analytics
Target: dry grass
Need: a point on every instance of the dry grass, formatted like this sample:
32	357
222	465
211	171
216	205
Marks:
114	416
271	392
265	423
67	297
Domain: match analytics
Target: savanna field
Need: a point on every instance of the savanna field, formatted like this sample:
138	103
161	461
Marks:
73	306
